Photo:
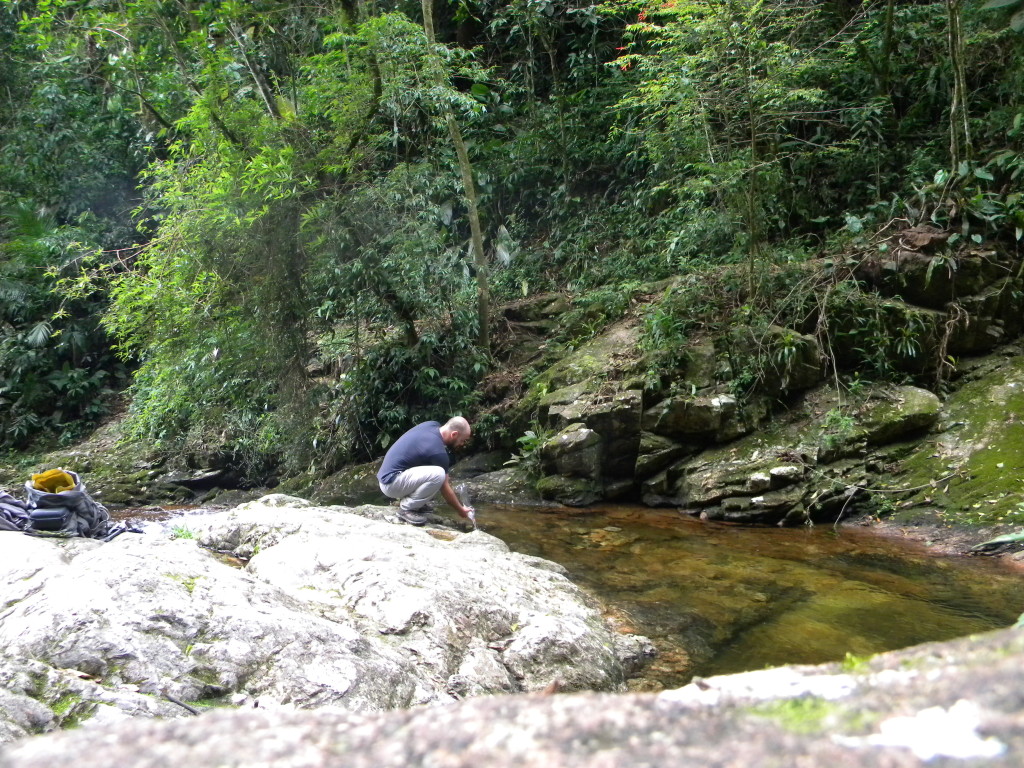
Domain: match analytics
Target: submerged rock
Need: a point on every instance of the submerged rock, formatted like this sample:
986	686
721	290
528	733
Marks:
571	491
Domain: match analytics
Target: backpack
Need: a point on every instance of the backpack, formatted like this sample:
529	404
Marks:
58	503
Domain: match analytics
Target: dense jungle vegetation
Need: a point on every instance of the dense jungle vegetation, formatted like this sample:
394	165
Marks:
282	228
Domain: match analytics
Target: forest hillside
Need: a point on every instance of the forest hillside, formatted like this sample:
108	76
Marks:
285	232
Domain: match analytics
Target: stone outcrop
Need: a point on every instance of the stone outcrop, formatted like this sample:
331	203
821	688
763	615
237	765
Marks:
809	469
643	425
954	703
970	291
699	451
335	607
619	428
901	413
970	467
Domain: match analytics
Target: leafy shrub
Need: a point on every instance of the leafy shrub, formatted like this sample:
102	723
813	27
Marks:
57	369
390	387
529	457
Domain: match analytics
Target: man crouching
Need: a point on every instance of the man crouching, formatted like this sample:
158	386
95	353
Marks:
416	467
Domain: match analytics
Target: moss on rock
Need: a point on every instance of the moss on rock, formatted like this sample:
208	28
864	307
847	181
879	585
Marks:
973	472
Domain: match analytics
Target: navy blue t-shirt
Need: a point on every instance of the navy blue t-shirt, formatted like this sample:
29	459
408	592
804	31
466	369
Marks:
421	446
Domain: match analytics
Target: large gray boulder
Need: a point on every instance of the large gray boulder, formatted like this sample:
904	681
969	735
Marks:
335	607
576	451
713	418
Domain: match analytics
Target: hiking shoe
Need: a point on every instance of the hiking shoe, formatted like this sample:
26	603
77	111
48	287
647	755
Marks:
413	518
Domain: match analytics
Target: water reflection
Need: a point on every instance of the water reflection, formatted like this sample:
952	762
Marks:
717	598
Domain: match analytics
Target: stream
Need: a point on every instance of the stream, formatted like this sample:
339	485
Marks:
717	598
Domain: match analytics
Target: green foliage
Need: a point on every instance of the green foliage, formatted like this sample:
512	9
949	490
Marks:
432	380
595	310
665	335
67	148
836	427
875	335
529	456
56	367
1016	7
854	663
67	164
804	714
722	91
715	305
278	220
296	283
182	532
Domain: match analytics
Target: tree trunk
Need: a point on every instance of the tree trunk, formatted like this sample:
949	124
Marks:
469	189
959	129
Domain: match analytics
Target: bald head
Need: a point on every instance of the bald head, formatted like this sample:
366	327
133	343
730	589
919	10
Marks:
455	432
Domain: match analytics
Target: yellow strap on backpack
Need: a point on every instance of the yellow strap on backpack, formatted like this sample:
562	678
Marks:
53	481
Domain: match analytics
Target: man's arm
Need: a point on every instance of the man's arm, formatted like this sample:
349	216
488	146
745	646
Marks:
453	500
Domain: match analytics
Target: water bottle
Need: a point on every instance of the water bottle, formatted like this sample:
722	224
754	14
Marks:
464	496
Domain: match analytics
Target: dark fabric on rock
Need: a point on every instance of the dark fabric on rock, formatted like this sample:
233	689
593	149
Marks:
14	513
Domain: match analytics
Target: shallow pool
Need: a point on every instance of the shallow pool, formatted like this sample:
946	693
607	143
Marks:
718	598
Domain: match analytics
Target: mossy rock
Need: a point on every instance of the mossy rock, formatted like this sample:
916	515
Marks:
610	355
970	473
349	487
571	491
900	413
575	451
510	485
536	308
657	452
714	417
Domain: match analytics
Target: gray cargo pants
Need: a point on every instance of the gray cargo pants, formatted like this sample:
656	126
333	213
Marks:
415	486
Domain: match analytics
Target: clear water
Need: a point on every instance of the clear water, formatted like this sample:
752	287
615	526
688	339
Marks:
717	598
